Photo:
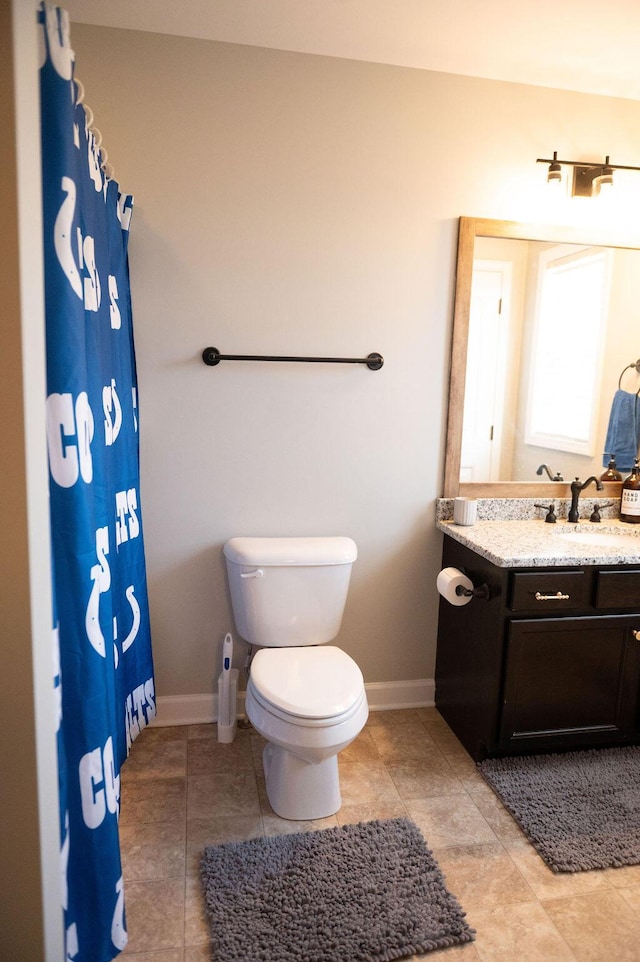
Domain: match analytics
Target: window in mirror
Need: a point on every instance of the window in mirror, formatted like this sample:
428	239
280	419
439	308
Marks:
567	346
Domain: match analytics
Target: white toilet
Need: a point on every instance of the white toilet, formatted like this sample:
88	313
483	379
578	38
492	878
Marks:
288	596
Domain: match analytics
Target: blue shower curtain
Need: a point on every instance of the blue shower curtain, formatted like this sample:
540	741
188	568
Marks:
103	668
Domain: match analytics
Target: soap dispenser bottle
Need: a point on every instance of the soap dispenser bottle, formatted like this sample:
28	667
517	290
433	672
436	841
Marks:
630	502
612	473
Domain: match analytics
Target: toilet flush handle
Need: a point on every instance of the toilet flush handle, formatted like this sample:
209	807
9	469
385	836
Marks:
258	573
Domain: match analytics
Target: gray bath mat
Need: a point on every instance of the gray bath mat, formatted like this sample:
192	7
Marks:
370	892
581	810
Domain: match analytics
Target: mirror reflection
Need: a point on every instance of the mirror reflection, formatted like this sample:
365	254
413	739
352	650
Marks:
546	330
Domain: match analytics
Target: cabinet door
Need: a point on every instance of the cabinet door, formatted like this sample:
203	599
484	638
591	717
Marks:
570	682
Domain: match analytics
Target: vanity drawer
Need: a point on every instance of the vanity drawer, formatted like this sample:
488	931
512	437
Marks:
618	589
550	591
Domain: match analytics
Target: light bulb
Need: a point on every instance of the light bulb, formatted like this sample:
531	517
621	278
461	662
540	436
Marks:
554	174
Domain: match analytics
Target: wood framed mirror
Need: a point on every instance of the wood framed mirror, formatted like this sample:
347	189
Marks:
610	356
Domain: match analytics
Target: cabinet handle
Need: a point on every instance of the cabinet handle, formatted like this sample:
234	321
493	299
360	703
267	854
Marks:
635	633
557	597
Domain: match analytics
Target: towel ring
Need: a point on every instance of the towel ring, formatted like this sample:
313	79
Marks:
636	365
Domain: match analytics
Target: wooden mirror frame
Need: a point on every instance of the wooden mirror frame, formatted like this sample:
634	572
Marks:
469	229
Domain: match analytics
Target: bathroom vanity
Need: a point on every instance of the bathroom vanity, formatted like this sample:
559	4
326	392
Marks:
551	659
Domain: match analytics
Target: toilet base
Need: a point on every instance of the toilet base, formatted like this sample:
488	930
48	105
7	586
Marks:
300	790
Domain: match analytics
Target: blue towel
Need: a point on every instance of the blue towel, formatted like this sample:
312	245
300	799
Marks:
623	434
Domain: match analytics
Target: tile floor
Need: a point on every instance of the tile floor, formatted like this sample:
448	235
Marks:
182	789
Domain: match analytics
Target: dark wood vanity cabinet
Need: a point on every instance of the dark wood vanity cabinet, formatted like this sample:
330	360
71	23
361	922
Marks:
550	661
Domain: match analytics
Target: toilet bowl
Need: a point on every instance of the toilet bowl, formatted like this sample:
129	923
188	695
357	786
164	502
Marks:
305	697
304	735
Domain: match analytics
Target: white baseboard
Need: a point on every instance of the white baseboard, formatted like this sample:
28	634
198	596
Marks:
385	695
186	710
381	695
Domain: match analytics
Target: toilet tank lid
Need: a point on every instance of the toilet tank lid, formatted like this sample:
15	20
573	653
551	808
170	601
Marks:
291	551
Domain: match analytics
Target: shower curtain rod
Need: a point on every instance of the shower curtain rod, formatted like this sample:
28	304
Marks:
212	357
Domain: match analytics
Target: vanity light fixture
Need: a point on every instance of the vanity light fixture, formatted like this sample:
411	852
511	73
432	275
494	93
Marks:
588	179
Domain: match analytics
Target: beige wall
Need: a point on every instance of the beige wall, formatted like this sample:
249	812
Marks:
297	204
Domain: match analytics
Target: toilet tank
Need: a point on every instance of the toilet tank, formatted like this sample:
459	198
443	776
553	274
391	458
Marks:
287	592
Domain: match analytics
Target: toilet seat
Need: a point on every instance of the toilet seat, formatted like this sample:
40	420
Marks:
315	685
299	721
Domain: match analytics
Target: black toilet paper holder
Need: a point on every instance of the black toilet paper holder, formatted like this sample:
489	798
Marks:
482	591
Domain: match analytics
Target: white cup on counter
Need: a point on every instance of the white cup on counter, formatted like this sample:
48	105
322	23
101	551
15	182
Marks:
465	510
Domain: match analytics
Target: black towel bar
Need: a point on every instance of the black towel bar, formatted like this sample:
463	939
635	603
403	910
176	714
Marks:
212	356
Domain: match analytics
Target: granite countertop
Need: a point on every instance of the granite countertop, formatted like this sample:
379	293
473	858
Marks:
534	544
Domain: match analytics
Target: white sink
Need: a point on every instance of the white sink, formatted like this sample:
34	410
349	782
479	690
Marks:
605	539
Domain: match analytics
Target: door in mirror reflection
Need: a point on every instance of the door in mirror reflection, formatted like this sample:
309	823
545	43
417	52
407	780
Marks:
482	426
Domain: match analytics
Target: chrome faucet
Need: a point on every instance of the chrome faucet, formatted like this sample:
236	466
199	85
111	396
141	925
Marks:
576	488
